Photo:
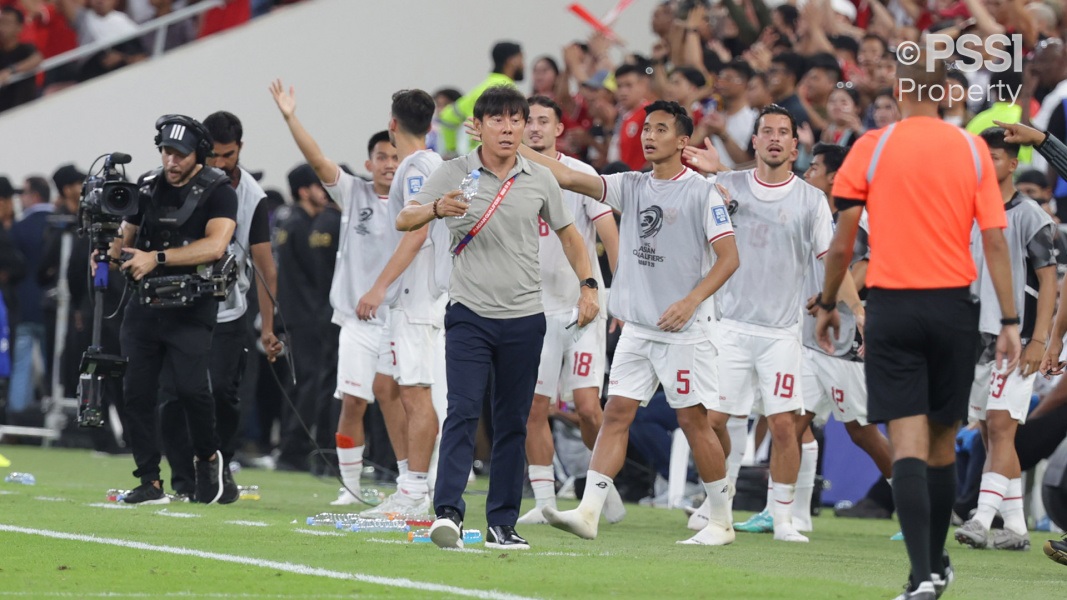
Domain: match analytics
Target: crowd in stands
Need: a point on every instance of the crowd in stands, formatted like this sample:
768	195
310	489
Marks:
831	63
34	30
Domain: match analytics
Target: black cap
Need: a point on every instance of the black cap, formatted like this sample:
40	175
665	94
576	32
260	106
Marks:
67	175
177	135
502	51
302	177
6	189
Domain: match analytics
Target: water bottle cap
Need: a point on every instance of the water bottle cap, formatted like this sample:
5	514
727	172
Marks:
475	174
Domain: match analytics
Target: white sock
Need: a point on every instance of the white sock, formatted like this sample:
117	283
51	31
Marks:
597	486
993	490
415	485
809	462
770	494
784	495
543	482
718	503
737	427
350	460
401	469
1012	507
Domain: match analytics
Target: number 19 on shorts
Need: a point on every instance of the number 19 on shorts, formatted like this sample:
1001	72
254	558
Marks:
783	385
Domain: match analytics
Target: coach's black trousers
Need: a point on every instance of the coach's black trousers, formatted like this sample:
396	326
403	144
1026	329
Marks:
476	346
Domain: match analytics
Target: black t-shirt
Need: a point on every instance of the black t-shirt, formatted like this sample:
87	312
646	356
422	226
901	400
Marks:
221	202
325	231
19	92
297	298
259	231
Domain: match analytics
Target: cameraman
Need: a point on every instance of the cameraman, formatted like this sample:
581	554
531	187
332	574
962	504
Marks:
164	238
233	332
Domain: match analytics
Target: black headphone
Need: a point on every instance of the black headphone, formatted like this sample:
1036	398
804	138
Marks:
205	146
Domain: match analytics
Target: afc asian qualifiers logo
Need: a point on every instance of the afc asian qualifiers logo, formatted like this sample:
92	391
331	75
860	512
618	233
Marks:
651	221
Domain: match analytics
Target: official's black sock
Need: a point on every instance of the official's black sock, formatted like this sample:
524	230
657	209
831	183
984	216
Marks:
912	497
882	493
941	481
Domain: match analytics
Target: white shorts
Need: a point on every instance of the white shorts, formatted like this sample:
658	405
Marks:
749	362
363	352
414	346
567	364
834	386
687	371
991	390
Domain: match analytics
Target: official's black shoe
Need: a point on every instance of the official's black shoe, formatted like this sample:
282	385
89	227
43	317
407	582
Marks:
146	493
1057	550
504	537
230	492
864	509
447	529
209	478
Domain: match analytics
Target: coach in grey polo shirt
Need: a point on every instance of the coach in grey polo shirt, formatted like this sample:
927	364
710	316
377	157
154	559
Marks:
495	322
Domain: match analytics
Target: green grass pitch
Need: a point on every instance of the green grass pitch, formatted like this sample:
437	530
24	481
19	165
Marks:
59	539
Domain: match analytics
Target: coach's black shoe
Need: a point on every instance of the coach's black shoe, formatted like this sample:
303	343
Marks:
146	493
230	492
209	478
864	509
1057	550
923	591
447	529
504	537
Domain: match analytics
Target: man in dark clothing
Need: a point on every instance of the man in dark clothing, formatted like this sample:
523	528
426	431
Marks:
325	231
15	59
782	78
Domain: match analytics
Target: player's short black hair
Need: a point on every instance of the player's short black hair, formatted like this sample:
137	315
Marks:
774	109
547	102
826	62
451	93
833	156
692	75
792	62
413	111
11	10
381	136
683	123
1033	176
501	100
224	127
630	68
739	66
994	138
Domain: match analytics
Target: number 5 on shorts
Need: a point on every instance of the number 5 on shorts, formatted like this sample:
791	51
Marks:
683	382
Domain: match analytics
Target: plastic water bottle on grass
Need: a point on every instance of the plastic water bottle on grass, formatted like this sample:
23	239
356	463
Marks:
472	536
249	492
23	478
469	187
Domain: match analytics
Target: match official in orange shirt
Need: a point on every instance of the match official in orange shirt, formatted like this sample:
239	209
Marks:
924	183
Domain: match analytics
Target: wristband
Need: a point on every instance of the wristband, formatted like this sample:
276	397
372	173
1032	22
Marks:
827	306
1011	321
435	215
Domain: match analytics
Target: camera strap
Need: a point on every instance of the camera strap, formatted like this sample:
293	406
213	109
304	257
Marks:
504	189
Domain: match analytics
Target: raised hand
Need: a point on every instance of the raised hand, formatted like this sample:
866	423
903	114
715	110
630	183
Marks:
286	101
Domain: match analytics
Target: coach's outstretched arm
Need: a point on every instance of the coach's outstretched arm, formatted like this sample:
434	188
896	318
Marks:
326	169
1048	145
568	179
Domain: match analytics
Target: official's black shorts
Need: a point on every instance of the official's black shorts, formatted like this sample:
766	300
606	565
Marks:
921	347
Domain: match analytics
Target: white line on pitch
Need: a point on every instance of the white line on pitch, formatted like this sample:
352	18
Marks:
111	505
324	533
249	523
299	569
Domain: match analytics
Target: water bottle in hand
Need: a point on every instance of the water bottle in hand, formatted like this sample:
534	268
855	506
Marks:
469	187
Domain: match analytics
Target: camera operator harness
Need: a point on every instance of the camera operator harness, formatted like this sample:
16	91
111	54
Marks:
160	230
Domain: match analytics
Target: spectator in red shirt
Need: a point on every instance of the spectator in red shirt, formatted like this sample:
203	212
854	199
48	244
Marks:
232	14
634	88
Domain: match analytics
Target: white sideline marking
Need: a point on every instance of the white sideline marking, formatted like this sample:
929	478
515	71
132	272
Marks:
7	493
249	523
320	532
396	582
49	499
112	505
179	515
558	554
381	541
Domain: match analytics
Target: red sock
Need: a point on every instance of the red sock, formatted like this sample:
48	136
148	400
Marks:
345	441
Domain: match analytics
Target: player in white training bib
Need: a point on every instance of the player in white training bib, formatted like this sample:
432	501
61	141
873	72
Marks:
413	286
781	222
572	361
676	250
367	238
999	400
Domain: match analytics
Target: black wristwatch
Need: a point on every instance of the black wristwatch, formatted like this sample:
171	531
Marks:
161	258
589	283
1011	321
